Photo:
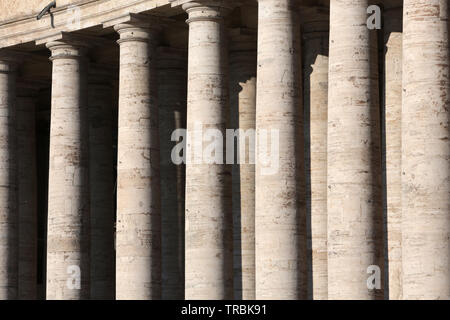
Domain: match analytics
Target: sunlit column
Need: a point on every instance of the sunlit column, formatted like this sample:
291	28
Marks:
68	190
425	151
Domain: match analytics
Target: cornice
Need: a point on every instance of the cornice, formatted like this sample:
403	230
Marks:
76	38
93	13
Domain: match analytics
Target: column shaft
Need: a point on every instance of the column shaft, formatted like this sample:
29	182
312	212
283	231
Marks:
425	151
354	155
172	71
243	117
68	190
280	213
9	242
209	256
138	238
393	147
315	74
27	195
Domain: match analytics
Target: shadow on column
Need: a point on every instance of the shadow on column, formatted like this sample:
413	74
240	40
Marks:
42	154
311	52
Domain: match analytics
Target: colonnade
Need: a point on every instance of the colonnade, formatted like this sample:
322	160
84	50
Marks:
363	170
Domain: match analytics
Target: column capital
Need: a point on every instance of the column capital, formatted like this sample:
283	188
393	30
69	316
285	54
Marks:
213	3
72	45
63	49
207	10
136	32
138	27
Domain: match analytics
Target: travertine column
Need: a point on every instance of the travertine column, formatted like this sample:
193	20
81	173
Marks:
280	213
209	254
425	151
315	32
9	242
68	189
243	117
392	146
102	183
27	192
354	155
138	237
172	71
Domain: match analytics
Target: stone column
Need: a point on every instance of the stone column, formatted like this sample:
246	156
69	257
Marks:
138	237
354	155
392	146
425	151
243	117
209	246
172	71
315	32
280	213
9	242
101	182
27	191
68	189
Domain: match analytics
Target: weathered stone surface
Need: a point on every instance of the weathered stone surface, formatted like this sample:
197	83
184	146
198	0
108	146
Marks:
353	154
68	187
425	151
18	8
238	233
280	213
209	242
138	235
393	148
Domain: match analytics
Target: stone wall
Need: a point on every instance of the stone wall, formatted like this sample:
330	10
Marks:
13	9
